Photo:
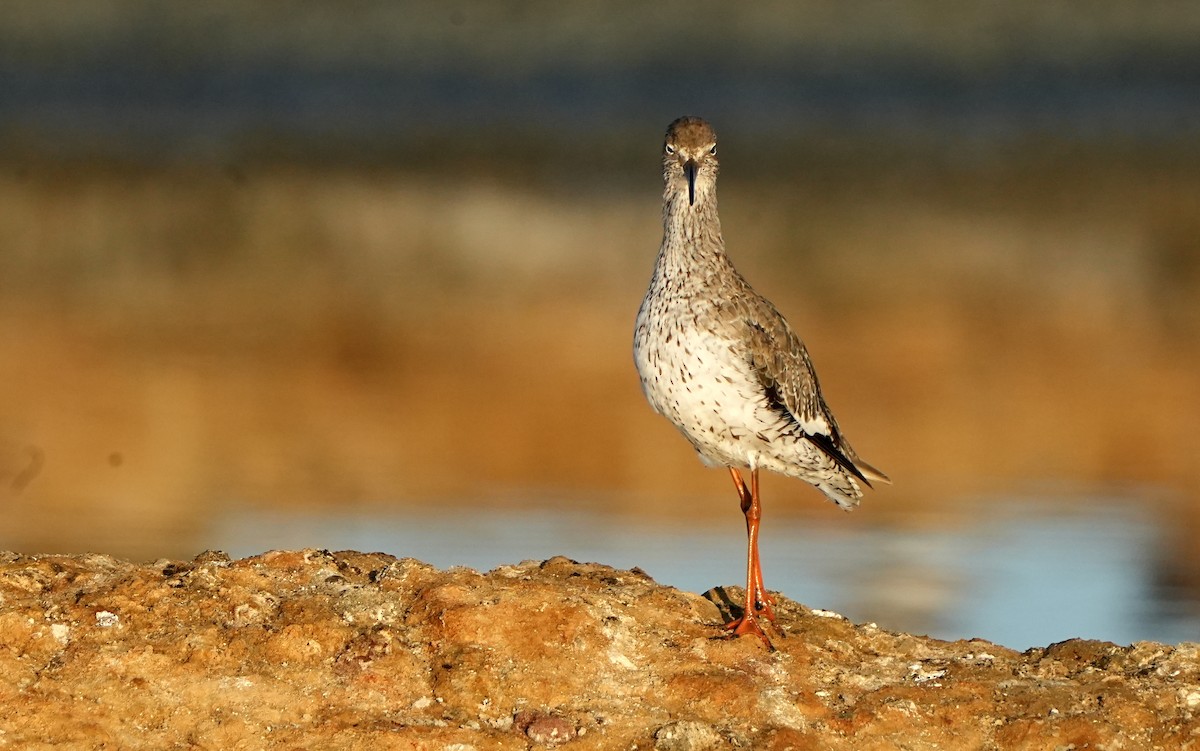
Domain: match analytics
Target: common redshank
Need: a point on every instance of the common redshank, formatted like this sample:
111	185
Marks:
720	362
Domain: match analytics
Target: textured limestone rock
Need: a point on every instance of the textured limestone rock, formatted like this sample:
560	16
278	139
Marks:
312	649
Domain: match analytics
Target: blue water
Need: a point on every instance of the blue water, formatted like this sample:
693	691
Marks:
1017	576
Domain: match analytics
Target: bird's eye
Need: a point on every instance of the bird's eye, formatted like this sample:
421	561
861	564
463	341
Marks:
713	150
670	149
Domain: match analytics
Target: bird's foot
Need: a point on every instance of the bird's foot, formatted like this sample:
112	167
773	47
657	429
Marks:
764	606
748	624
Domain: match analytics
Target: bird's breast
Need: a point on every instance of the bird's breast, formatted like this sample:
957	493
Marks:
694	373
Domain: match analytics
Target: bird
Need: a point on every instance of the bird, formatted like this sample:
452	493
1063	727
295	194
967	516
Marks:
721	363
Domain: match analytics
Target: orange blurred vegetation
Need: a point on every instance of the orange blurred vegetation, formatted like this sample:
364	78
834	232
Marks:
174	340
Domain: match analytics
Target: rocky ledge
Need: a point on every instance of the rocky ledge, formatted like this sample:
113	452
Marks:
313	649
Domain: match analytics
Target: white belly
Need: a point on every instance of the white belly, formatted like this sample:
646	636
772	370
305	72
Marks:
698	382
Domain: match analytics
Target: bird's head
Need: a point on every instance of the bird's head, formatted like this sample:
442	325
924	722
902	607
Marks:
690	158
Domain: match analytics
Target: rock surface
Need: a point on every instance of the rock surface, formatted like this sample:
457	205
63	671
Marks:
312	649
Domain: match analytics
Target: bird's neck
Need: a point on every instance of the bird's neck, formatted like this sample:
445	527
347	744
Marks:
691	230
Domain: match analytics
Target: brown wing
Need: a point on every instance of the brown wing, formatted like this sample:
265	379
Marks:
789	380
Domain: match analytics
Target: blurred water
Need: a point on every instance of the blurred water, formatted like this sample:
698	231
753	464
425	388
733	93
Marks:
1017	575
122	107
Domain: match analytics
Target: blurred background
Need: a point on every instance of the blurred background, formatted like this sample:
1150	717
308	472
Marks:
364	274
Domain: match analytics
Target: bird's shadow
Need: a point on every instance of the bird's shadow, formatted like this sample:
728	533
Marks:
726	601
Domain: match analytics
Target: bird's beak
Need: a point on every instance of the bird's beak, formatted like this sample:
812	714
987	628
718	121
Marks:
689	171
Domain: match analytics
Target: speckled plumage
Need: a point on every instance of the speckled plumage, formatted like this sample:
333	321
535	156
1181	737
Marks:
721	363
717	359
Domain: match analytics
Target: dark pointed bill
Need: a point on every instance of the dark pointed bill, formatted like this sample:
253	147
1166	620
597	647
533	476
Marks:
689	170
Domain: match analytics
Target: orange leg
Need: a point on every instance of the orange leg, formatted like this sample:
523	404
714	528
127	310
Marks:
762	600
758	602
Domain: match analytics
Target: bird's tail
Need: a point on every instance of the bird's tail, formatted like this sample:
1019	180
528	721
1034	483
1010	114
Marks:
847	497
870	474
